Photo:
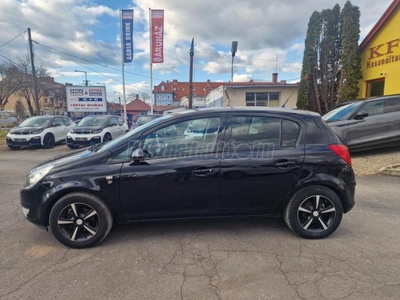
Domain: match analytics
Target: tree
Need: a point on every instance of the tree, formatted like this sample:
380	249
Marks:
8	84
25	84
331	62
351	58
307	95
19	110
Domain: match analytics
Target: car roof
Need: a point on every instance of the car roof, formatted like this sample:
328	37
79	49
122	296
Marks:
280	110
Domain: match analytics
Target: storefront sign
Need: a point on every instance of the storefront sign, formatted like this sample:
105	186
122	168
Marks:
384	54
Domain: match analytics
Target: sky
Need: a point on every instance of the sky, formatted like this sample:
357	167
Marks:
84	35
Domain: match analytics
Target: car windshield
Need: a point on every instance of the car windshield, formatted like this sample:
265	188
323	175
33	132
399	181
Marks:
127	136
341	113
145	119
36	122
93	121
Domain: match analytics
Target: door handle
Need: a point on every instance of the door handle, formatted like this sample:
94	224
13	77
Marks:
202	172
284	164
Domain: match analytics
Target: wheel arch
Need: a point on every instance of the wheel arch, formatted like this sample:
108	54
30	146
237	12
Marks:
340	193
53	200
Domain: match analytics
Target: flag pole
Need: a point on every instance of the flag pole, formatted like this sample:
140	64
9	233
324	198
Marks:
151	64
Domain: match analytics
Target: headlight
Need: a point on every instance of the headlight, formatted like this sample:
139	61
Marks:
97	131
36	131
71	131
36	174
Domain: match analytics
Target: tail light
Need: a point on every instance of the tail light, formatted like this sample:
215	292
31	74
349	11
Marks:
342	151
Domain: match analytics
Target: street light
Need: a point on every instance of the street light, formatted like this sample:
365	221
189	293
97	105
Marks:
86	81
233	50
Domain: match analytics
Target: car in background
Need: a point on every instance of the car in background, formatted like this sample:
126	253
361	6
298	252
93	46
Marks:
6	120
96	129
258	162
39	131
143	120
368	124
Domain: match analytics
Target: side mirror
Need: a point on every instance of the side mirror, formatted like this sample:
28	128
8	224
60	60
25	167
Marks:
137	155
361	115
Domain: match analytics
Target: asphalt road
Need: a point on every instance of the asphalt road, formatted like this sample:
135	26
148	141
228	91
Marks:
226	259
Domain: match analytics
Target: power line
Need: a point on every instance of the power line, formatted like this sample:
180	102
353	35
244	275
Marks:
13	39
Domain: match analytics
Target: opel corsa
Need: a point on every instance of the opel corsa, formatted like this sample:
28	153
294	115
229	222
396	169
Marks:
241	162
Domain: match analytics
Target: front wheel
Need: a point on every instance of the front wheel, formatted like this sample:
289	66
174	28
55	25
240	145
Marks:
48	141
314	212
80	220
107	137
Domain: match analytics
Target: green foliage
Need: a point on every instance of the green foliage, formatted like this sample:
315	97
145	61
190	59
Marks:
331	61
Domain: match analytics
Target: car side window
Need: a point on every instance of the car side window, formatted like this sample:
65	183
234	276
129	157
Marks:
393	105
120	122
373	108
67	121
187	138
58	122
255	131
290	133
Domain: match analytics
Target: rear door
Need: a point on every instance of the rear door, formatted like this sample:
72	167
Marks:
371	130
261	162
393	116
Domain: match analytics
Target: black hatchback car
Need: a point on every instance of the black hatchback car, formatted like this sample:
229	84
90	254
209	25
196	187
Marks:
247	162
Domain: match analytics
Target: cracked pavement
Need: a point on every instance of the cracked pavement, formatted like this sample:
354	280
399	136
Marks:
204	259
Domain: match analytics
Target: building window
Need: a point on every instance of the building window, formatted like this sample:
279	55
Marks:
163	88
263	99
375	87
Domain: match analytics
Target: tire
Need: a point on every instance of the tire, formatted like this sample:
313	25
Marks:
314	212
48	141
80	220
107	137
72	146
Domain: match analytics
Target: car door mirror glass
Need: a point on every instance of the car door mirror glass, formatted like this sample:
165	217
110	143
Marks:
137	155
361	115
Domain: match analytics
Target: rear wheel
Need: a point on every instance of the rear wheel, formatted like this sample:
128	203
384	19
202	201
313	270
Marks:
48	141
107	137
80	220
314	212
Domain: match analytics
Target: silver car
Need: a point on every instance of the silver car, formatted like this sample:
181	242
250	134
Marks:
368	124
6	120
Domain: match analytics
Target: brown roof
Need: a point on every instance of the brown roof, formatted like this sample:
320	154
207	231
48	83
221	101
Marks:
381	22
137	105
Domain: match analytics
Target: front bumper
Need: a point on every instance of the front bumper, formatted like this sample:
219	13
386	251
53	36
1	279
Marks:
83	141
34	205
20	141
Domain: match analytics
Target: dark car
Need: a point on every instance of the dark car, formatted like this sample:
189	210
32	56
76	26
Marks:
247	162
368	124
143	120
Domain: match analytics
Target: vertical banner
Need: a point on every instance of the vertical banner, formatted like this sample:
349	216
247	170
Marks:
157	36
127	34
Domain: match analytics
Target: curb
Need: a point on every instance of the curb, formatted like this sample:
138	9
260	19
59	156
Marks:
393	170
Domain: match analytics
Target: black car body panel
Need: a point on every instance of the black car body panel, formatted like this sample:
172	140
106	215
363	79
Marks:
211	182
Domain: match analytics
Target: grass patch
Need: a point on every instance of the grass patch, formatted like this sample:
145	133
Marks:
3	133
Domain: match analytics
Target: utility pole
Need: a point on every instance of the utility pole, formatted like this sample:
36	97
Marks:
191	75
34	79
233	50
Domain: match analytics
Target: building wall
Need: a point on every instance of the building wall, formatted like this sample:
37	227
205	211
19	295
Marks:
237	97
380	60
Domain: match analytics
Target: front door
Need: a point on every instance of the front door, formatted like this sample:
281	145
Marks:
179	176
261	163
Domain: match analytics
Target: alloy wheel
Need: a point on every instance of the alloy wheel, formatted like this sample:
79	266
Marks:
316	214
78	222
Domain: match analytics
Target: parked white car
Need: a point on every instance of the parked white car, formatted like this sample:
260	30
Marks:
6	120
96	129
39	131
